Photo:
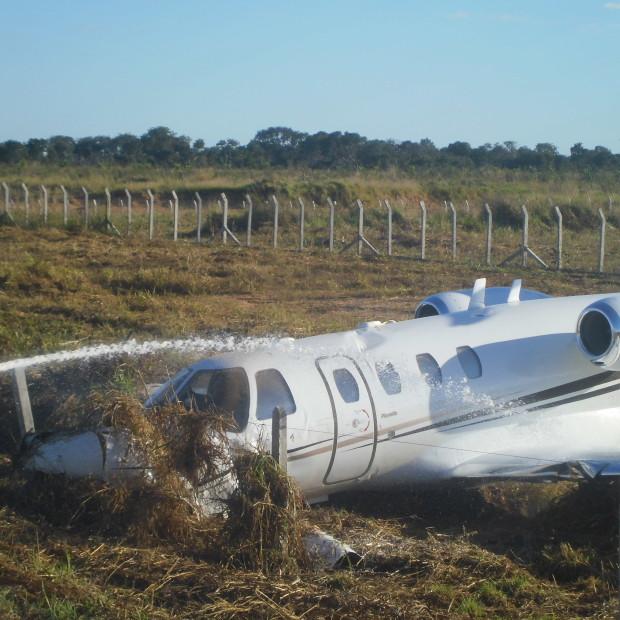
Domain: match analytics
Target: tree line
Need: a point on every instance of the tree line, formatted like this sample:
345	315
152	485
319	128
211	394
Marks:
282	147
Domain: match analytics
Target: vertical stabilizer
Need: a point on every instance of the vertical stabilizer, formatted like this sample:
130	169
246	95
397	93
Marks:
514	297
477	294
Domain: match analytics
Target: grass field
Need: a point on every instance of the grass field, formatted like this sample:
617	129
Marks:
501	551
578	196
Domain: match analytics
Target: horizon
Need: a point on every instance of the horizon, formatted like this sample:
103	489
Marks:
193	139
485	72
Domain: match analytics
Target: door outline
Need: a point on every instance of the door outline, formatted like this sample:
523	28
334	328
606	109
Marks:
335	418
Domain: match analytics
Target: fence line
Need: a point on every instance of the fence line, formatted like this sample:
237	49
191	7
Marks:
524	252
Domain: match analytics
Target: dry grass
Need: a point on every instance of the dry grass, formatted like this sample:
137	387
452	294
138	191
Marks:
265	518
57	288
502	551
422	559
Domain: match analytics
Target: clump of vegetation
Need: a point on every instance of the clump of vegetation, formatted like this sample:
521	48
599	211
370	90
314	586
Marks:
179	451
266	517
182	454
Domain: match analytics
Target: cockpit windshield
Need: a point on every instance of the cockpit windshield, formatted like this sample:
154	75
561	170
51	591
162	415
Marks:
223	391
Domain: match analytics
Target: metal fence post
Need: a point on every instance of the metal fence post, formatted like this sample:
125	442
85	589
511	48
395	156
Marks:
86	207
65	206
525	239
276	208
331	223
360	226
601	246
26	202
175	216
422	230
7	197
22	401
225	218
108	209
558	215
453	210
128	194
151	204
198	217
301	223
388	206
249	227
45	204
489	232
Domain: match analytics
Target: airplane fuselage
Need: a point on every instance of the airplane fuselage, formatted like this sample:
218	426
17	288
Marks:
490	391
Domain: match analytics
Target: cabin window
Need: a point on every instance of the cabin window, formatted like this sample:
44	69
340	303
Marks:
389	377
469	361
430	369
272	391
347	385
221	391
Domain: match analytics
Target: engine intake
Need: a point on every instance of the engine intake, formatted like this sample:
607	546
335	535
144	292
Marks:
598	331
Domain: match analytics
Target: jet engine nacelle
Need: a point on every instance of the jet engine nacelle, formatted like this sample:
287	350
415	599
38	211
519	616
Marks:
457	301
598	332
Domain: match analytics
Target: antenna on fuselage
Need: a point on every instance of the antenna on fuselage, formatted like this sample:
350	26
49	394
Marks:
514	296
476	300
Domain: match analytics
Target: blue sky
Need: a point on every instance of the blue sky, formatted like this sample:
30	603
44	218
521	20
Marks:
475	70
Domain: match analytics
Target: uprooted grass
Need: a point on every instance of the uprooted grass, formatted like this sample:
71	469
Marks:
182	451
265	517
154	504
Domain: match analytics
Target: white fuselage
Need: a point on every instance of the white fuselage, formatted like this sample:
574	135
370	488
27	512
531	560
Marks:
366	414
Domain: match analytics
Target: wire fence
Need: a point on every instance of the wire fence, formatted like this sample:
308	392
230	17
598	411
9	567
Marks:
482	233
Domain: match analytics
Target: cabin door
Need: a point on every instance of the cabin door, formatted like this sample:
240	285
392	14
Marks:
355	420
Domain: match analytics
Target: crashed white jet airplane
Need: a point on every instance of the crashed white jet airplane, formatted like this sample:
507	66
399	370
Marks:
482	383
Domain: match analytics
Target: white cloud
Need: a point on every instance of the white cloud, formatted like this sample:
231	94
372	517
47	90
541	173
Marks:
613	5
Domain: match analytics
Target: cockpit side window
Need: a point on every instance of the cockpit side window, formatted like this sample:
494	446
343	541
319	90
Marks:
389	377
224	391
430	369
169	391
272	391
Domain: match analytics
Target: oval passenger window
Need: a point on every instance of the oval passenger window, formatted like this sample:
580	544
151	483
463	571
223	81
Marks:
347	385
389	377
430	369
469	361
